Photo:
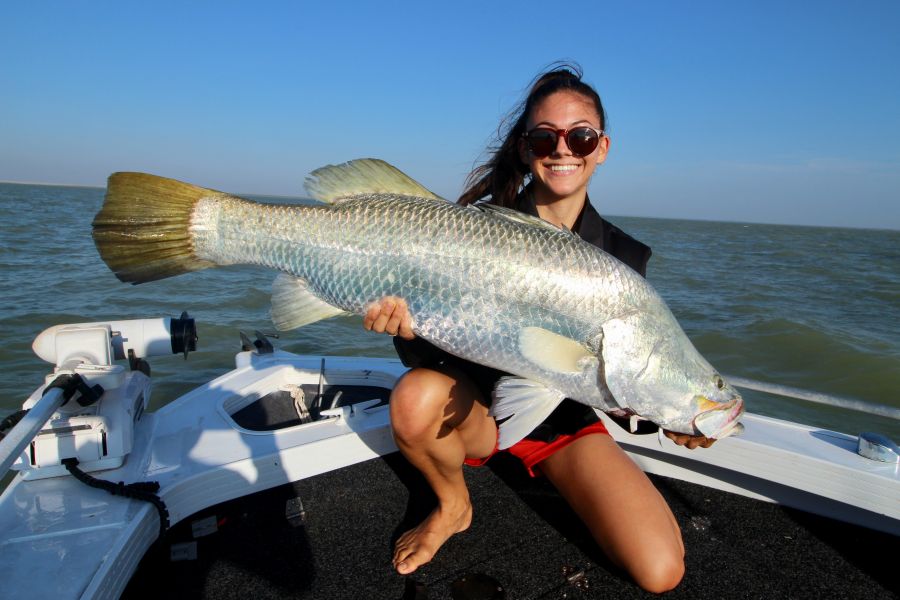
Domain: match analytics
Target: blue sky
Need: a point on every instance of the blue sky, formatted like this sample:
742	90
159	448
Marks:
778	112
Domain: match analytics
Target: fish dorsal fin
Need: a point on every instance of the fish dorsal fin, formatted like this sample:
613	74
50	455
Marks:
293	305
518	217
524	404
362	176
554	352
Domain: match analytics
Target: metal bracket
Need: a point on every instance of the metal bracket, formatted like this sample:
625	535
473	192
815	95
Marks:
878	447
261	345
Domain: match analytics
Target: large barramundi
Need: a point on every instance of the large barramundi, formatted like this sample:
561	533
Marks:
487	284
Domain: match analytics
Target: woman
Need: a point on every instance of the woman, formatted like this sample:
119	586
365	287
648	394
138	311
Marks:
439	409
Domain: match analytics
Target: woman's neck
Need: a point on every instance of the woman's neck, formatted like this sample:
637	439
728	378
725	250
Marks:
562	212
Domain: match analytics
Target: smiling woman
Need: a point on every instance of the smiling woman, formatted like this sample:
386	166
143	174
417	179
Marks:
529	128
561	173
443	411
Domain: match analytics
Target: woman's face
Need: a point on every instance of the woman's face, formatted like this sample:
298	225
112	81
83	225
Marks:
561	174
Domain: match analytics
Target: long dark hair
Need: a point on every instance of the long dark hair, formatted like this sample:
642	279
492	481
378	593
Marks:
502	176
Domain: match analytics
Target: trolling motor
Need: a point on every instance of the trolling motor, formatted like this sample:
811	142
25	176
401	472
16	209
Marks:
87	408
101	343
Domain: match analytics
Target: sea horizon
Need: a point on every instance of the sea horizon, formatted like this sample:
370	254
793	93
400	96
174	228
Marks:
610	216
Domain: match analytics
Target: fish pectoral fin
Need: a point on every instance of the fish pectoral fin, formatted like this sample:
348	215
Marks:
360	177
555	352
293	305
524	404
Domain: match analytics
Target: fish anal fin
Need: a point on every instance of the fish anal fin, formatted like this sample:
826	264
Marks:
293	305
360	177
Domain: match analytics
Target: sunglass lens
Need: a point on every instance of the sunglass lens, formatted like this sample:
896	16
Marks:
542	142
582	140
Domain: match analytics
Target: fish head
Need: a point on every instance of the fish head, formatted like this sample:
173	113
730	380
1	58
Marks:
680	391
653	369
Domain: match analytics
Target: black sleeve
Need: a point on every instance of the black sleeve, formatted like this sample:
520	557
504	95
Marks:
633	253
418	352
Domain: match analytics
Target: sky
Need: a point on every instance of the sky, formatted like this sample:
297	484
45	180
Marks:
754	111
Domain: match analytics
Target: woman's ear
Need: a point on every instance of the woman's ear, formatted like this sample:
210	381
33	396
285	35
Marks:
603	149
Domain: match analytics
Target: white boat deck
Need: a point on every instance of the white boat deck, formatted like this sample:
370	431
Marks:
809	468
60	538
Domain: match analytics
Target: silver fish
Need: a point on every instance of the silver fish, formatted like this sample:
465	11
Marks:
490	285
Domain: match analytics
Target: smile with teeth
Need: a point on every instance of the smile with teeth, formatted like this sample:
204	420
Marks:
563	168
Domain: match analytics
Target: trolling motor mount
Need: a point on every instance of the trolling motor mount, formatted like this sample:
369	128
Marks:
98	428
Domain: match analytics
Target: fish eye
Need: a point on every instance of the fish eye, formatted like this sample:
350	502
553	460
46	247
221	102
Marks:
720	383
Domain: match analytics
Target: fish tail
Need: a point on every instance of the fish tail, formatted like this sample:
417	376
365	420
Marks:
143	229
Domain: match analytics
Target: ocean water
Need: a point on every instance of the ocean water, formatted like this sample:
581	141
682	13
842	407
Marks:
810	307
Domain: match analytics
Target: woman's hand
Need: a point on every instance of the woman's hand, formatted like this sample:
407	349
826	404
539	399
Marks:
691	441
391	316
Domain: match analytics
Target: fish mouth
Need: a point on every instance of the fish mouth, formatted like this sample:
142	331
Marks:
721	421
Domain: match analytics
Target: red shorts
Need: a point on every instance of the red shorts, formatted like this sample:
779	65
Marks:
531	452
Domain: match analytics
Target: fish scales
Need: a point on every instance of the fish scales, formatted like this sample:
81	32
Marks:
470	278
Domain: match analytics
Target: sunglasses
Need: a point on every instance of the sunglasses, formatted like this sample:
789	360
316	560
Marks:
581	141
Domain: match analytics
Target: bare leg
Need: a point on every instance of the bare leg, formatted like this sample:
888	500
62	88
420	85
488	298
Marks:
438	420
625	513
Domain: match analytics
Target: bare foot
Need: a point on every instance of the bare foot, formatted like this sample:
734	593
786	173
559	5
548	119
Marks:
419	545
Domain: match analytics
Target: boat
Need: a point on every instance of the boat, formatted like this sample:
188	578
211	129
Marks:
280	478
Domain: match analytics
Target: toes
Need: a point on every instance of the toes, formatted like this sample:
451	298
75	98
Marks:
412	561
409	552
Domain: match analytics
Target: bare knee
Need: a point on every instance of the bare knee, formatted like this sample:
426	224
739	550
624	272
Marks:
660	574
418	404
